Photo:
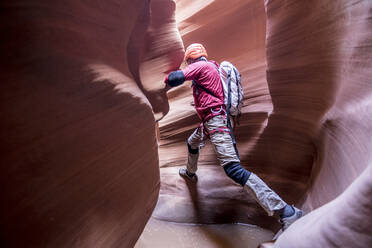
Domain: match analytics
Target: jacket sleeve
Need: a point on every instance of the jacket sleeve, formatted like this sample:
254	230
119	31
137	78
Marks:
176	78
192	72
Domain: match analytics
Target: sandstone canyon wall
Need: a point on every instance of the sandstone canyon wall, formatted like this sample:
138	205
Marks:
305	128
319	68
79	158
82	88
235	33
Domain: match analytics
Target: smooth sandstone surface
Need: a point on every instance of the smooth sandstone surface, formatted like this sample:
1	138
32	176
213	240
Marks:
79	157
319	63
216	198
82	88
305	128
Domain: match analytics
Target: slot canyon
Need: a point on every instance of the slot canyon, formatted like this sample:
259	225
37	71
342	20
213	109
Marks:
91	140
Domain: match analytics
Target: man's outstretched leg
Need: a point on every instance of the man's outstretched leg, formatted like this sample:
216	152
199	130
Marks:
193	144
264	195
270	201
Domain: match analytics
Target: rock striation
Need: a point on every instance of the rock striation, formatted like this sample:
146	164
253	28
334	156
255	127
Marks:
319	66
305	127
82	92
216	198
79	154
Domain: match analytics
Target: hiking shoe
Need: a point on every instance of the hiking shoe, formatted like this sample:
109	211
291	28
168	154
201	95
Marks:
286	222
185	174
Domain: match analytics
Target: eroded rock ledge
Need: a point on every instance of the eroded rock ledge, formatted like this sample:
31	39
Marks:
78	148
305	128
82	82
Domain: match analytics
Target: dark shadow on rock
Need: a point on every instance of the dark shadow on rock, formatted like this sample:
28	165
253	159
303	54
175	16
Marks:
218	239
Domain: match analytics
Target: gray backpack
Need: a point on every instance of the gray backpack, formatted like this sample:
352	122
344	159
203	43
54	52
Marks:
232	87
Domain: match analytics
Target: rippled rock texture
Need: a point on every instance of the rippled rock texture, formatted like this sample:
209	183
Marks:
79	158
235	33
305	129
319	69
81	89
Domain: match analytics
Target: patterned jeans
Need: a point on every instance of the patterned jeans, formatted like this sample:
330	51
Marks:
221	141
224	149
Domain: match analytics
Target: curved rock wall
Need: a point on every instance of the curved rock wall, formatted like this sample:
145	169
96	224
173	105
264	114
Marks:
319	66
79	153
235	33
305	127
81	83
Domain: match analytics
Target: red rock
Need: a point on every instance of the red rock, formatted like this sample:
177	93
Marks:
82	87
319	66
217	199
78	149
305	127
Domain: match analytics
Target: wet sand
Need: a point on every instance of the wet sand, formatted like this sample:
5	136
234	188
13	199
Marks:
159	233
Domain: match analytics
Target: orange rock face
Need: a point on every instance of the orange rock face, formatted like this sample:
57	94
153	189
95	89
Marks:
236	34
319	66
79	154
82	88
305	128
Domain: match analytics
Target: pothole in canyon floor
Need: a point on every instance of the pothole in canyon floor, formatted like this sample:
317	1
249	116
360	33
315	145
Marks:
159	233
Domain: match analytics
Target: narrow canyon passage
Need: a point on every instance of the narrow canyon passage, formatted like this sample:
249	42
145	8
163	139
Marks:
209	205
215	202
288	103
91	140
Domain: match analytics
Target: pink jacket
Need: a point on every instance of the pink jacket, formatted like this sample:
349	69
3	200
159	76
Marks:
205	75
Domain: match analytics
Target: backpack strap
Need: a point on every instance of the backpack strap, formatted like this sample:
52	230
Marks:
237	83
237	118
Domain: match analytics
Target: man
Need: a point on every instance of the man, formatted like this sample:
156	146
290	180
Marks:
209	103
